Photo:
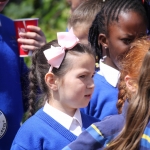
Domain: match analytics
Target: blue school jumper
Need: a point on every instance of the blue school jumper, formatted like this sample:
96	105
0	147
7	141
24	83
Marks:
99	134
42	132
12	69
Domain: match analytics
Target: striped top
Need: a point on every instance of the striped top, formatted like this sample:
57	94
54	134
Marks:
145	140
98	135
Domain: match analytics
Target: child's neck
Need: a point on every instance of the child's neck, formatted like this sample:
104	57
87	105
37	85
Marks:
63	108
109	62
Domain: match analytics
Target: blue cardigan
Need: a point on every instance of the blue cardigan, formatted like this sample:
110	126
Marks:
42	132
104	99
12	70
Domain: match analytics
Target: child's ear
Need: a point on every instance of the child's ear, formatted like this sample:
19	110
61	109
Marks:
130	84
51	81
102	39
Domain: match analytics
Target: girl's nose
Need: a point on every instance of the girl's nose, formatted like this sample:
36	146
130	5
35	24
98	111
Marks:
90	84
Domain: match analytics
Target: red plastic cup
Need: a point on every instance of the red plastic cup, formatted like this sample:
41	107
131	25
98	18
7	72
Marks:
21	26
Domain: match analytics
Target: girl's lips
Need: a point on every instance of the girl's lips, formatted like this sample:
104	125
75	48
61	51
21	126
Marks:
88	95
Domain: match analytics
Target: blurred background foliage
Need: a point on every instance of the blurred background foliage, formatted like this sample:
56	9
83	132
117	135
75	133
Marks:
52	14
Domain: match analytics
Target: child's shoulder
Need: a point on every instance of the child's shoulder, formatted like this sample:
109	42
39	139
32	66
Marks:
31	123
101	82
97	76
28	133
144	143
101	133
110	125
88	120
103	88
5	19
7	25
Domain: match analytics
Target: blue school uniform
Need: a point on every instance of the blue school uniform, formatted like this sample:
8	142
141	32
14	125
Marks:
12	70
41	131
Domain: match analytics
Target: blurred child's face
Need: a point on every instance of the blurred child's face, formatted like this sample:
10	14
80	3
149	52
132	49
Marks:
76	86
122	33
2	4
81	32
74	4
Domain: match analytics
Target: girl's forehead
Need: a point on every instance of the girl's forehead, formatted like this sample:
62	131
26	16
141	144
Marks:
130	21
127	15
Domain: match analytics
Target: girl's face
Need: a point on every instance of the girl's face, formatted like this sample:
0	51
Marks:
76	86
122	33
2	4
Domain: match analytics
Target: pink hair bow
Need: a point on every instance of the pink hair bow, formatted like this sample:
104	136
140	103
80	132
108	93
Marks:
55	55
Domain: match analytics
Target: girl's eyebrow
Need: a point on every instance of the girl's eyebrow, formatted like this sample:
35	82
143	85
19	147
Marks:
128	34
132	35
86	71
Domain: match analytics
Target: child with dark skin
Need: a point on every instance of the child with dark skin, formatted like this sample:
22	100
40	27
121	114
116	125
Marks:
114	29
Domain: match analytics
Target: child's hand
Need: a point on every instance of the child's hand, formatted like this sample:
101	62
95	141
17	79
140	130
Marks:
32	39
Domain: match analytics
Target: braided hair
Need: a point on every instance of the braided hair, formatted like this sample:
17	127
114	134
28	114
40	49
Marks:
109	13
37	73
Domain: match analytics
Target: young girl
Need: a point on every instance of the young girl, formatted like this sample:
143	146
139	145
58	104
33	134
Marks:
65	80
115	27
99	134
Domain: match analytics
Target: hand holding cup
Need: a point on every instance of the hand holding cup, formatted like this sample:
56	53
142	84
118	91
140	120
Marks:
29	35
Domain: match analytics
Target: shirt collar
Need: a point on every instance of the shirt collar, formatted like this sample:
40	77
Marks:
77	116
64	119
110	74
